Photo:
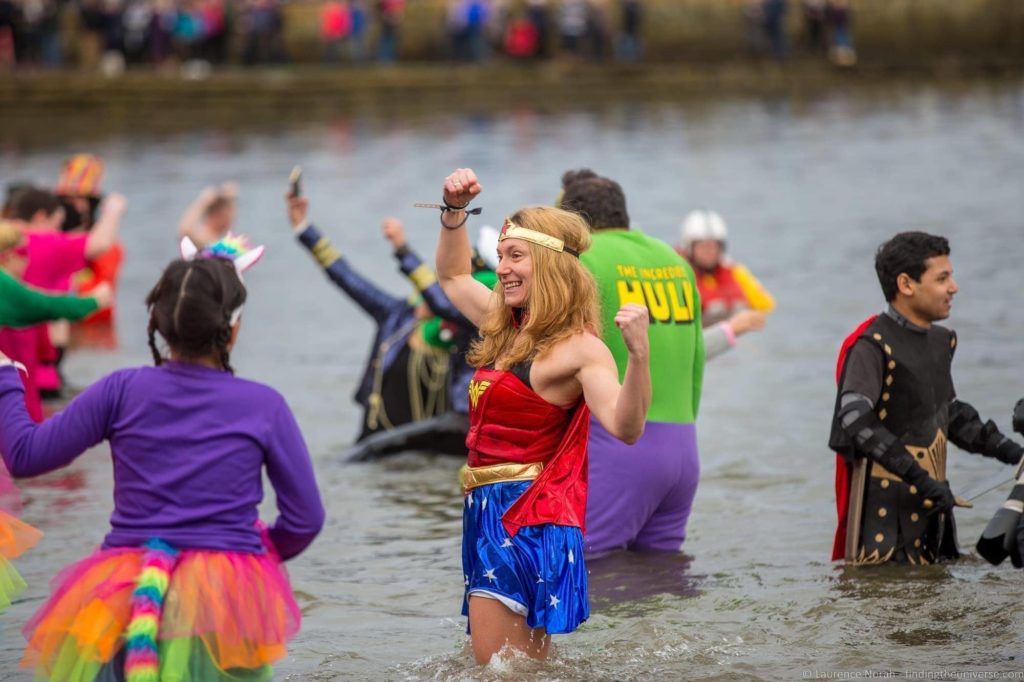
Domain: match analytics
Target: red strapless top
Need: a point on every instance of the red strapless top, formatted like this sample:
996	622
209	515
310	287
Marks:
508	422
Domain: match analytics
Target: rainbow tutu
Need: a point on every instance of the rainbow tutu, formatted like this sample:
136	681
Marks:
222	616
15	537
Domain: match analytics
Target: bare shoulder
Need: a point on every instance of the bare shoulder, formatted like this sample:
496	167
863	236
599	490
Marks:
593	346
556	375
580	350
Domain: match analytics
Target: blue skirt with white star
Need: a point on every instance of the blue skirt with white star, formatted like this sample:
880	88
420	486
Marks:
538	574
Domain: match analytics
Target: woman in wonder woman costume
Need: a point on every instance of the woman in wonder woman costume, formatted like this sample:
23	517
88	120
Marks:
187	585
541	370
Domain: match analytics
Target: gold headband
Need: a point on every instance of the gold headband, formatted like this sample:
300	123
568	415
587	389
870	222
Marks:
510	230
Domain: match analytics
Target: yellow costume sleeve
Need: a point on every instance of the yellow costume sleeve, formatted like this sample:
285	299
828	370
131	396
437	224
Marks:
757	296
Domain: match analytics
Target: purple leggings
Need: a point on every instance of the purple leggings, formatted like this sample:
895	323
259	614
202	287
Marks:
640	496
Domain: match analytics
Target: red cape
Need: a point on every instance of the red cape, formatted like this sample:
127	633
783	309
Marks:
559	495
842	472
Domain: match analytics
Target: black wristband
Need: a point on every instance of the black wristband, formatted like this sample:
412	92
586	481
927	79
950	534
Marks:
446	207
455	226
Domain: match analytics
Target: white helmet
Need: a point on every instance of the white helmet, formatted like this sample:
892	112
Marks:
487	246
703	224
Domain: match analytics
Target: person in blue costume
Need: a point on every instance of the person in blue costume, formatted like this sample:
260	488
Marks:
453	335
390	399
384	391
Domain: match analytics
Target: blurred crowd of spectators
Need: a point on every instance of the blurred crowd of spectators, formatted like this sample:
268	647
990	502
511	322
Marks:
592	30
118	33
827	28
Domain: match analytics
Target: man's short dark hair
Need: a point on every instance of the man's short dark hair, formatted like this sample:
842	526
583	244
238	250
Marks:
599	200
29	201
571	176
11	192
906	252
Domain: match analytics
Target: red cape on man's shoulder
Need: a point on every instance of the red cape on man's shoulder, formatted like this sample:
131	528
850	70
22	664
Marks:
842	471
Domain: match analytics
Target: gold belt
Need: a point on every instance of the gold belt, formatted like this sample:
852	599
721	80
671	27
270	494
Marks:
474	477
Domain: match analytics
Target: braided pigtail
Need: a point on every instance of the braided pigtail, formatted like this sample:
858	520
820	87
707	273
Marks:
158	359
223	339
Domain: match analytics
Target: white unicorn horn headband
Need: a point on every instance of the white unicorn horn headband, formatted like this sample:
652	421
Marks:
232	247
235	248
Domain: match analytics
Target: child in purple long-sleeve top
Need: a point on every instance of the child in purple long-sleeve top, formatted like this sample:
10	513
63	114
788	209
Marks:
185	582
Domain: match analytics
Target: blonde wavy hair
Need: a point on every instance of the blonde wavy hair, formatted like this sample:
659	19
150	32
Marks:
563	295
10	235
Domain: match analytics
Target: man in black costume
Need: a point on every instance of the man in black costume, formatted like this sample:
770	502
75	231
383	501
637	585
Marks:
895	411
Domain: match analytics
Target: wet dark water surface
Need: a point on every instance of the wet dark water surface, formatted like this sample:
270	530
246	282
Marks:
809	189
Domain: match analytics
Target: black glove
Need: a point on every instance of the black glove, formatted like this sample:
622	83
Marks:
1018	417
1016	544
930	489
1009	452
897	460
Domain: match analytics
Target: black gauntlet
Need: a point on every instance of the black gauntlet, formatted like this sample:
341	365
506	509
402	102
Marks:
968	431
